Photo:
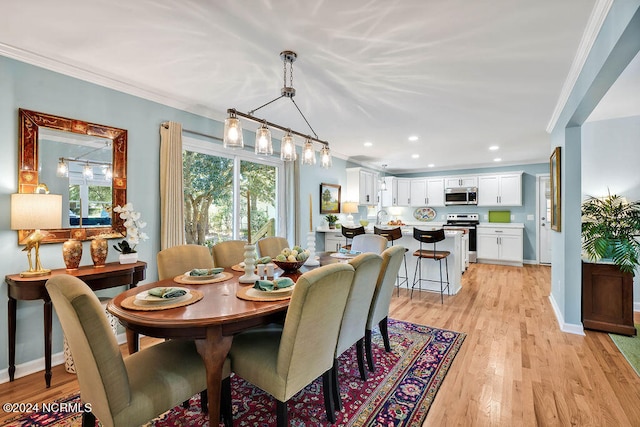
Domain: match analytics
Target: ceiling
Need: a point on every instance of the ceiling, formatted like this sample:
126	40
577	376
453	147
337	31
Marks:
460	75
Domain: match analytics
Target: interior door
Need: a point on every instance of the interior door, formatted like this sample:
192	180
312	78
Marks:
544	224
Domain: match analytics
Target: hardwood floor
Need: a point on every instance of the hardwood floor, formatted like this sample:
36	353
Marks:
515	368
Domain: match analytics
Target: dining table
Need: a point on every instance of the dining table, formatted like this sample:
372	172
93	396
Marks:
211	322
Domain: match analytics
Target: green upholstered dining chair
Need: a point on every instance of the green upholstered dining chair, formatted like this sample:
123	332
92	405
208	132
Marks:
122	391
177	260
379	310
369	243
271	246
282	361
354	320
229	253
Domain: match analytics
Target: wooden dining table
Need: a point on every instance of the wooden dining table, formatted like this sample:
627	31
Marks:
211	322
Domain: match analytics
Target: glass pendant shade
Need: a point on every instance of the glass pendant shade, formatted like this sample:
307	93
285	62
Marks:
325	157
308	154
63	169
263	147
232	137
108	175
288	148
87	171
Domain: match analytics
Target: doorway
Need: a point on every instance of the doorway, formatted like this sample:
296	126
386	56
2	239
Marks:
544	224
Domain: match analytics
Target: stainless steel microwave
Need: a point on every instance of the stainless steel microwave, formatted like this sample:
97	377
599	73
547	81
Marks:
461	196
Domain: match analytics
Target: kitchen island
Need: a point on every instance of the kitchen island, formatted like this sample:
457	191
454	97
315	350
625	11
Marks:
453	243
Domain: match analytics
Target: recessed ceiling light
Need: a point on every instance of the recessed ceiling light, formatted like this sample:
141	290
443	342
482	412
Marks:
415	156
413	138
430	165
368	144
497	159
494	148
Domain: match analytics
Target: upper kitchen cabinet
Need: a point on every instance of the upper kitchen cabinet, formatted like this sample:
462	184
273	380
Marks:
362	186
401	192
500	190
461	181
435	192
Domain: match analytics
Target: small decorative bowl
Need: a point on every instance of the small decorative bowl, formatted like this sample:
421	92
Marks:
364	222
289	266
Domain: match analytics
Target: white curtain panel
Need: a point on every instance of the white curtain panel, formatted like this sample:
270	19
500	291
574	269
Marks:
171	182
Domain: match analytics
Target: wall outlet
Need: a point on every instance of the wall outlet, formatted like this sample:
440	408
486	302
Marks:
513	217
530	217
486	217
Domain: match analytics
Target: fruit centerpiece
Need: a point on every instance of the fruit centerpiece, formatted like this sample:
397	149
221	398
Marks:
291	259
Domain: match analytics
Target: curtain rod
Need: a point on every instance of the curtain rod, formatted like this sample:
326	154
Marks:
193	132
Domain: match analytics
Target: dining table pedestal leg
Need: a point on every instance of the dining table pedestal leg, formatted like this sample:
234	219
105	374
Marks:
213	350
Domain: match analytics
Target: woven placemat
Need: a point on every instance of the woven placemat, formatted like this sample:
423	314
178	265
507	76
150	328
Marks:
129	303
250	294
188	280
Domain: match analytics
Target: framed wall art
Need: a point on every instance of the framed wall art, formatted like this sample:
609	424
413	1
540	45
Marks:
556	200
329	198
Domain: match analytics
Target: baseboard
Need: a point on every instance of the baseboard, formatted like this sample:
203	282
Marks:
570	328
37	365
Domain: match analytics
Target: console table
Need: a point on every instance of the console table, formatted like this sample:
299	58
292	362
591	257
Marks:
33	288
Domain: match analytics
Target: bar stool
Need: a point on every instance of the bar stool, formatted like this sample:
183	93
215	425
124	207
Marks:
393	234
433	236
350	233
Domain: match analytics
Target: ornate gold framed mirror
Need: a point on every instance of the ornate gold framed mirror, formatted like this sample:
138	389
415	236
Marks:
40	159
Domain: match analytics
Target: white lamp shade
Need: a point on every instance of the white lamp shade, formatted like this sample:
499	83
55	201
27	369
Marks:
36	211
350	207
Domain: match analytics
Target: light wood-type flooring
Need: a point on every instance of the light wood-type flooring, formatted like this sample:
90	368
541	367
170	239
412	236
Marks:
515	368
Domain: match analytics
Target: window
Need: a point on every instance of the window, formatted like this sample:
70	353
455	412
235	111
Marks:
216	184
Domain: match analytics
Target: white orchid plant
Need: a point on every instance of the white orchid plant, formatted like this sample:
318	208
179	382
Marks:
133	225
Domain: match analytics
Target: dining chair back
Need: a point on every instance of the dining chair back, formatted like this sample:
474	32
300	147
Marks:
350	233
282	361
176	260
272	246
369	243
354	320
379	310
122	392
229	253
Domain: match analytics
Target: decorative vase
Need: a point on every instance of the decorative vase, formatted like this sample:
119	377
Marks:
129	258
72	253
332	226
99	250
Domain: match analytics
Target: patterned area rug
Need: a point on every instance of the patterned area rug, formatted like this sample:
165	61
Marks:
399	393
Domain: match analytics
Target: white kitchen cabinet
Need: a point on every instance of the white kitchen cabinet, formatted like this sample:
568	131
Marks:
333	241
500	245
461	181
500	190
418	192
386	196
401	192
362	186
435	192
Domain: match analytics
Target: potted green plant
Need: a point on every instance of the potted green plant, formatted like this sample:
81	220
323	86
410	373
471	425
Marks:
331	219
610	226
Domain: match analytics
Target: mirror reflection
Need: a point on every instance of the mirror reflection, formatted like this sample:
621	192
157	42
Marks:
80	168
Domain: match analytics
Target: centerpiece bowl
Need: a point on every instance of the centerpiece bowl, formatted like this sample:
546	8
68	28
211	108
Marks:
289	266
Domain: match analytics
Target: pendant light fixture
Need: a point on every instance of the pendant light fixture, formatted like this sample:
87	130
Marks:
325	157
264	146
288	148
232	137
383	182
87	171
63	169
308	154
232	132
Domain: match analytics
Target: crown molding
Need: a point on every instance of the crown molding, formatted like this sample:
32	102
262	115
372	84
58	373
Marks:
598	15
108	81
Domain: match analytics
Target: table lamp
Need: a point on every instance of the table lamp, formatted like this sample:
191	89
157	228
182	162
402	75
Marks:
350	208
34	211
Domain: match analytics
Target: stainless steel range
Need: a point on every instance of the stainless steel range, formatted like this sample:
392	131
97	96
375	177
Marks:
466	222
